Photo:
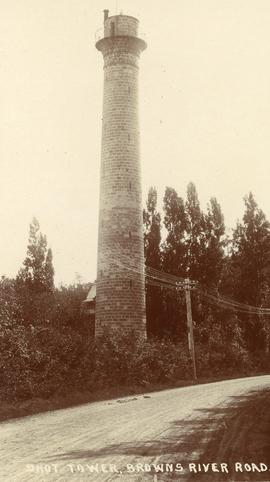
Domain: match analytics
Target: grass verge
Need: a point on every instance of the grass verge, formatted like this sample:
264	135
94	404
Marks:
19	408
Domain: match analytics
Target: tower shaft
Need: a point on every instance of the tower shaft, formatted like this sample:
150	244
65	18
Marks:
120	301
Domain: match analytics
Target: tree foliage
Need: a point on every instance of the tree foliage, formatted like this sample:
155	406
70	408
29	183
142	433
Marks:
194	244
251	264
37	272
251	254
35	280
152	249
212	260
195	235
152	232
175	222
46	342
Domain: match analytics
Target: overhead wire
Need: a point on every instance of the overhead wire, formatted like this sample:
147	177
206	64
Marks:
172	277
229	300
160	285
162	279
235	306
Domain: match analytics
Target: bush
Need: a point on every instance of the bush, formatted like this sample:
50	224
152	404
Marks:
41	361
127	360
36	362
55	354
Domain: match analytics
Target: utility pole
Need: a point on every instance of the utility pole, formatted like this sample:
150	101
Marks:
187	286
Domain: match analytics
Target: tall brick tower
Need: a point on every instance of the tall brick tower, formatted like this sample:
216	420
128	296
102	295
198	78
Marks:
120	301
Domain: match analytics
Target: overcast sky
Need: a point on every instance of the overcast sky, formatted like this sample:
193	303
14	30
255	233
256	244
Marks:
204	108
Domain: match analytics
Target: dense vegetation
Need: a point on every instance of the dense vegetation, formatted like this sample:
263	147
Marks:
46	339
195	244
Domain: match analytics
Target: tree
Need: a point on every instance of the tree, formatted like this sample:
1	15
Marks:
195	235
49	271
10	310
174	253
37	271
175	222
215	242
152	239
251	253
251	262
34	282
69	307
152	230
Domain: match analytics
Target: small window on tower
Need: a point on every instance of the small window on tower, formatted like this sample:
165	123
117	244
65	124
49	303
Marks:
129	233
130	185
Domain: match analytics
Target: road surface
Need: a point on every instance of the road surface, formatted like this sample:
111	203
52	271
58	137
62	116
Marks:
126	438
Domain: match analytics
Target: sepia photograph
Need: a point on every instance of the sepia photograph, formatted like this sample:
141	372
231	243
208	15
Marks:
135	241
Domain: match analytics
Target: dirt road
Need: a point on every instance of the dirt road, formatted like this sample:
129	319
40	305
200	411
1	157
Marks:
165	432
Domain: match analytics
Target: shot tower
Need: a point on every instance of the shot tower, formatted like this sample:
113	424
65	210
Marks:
120	301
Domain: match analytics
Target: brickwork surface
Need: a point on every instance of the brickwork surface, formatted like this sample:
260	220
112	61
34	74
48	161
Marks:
120	299
124	25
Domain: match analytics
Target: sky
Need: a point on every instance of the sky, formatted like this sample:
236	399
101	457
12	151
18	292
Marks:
204	115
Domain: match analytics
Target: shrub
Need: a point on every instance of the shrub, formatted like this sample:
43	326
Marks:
127	360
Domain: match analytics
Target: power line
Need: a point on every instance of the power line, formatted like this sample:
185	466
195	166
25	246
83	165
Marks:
164	274
229	300
167	280
235	306
152	282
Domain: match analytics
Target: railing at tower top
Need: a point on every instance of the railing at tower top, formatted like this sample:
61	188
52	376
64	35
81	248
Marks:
100	35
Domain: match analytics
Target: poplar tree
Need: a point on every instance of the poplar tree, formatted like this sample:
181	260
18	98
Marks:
37	271
49	271
251	262
152	230
175	222
195	235
34	281
174	255
152	240
251	253
214	244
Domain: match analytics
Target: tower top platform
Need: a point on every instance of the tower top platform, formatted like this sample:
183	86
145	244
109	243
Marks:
119	26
